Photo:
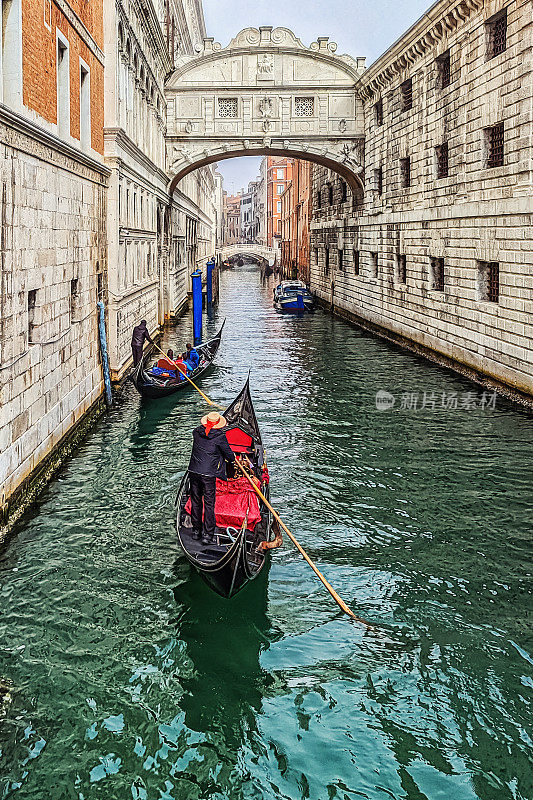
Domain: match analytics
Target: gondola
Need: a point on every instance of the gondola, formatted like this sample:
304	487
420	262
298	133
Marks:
154	387
244	523
293	297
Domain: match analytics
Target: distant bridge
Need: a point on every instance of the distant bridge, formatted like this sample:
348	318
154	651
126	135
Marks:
248	249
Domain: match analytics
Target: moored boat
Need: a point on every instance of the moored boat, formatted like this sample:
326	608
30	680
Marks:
244	523
293	297
157	386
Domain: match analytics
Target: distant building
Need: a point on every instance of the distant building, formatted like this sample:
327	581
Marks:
295	212
278	174
232	233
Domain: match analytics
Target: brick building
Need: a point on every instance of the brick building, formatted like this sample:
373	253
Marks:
438	253
295	210
53	230
278	174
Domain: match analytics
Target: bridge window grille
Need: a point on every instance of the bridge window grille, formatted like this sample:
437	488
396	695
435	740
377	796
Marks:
405	172
356	262
436	275
378	112
401	269
406	92
304	106
227	106
489	281
496	34
494	142
442	160
443	70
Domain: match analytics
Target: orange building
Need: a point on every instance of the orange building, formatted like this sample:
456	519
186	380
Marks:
295	210
278	174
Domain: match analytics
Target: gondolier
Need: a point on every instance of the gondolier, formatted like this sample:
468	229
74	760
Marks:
210	452
140	333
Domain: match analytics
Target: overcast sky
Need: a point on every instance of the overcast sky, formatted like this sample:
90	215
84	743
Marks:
359	28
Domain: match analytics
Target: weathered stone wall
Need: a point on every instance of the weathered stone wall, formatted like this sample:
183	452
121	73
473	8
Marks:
477	213
53	244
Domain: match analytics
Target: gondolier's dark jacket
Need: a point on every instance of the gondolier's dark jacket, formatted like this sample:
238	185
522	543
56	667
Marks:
210	453
140	333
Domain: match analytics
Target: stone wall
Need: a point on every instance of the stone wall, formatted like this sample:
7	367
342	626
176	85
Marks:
475	215
53	249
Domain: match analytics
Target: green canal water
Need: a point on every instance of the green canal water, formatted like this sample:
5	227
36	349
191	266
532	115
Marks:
130	679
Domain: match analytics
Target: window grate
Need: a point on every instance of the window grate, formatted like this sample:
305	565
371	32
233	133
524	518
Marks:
497	34
401	269
374	264
227	106
326	262
330	195
495	142
406	91
443	69
344	191
304	106
356	262
493	288
442	160
437	274
378	180
319	199
340	259
405	172
378	112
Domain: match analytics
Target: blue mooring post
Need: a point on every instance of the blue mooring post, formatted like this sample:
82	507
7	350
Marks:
197	305
209	286
103	350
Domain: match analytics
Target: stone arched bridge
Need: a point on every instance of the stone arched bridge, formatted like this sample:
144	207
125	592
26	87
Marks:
248	249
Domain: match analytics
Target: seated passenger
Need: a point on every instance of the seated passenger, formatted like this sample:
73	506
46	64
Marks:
191	356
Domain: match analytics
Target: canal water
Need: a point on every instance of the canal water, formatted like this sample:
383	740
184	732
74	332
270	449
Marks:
125	677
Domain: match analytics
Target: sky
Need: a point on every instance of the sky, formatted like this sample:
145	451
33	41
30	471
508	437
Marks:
364	29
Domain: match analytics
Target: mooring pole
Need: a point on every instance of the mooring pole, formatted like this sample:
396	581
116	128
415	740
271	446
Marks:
197	305
209	286
103	349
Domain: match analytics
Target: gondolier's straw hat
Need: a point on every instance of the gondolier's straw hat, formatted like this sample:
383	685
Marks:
213	420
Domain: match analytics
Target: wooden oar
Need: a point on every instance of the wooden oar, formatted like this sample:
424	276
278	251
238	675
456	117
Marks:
315	569
206	398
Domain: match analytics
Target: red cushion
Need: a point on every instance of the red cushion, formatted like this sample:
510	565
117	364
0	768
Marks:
239	441
233	500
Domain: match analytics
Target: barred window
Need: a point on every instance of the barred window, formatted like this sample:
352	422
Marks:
326	262
406	92
401	269
344	191
378	112
436	274
340	259
374	264
378	180
441	153
304	106
443	70
330	194
496	34
405	172
494	145
227	106
32	305
356	261
319	199
489	281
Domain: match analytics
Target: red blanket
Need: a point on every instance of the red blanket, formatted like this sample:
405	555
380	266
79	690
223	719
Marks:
233	500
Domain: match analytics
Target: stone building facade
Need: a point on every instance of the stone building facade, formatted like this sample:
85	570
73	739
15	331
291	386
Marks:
438	252
53	241
155	238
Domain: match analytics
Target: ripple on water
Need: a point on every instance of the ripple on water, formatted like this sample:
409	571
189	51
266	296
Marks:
127	678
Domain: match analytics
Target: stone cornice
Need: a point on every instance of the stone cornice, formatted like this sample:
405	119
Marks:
442	18
120	136
80	29
18	126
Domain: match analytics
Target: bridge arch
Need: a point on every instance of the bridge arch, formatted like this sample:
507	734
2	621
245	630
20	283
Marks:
266	94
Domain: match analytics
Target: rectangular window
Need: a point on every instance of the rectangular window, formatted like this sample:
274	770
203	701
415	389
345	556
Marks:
340	259
74	299
330	194
406	94
356	262
441	153
405	172
378	112
227	107
494	141
374	264
489	281
401	269
280	188
304	106
85	108
319	199
436	274
344	191
496	28
32	305
316	256
443	70
326	262
63	88
280	174
279	206
378	180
